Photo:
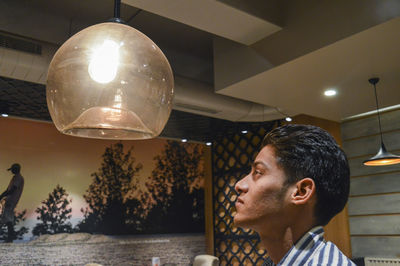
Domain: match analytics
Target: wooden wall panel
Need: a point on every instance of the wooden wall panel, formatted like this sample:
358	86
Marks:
371	144
381	183
376	246
358	169
376	204
369	125
331	126
208	204
375	225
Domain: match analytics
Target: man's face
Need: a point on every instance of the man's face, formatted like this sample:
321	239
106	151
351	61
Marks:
263	195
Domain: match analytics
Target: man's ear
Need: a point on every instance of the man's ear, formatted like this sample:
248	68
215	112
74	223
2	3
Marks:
304	191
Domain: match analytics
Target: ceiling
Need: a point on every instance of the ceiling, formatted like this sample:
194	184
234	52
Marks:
27	100
281	54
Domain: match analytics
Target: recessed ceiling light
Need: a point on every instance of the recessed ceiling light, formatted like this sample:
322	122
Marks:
208	143
184	140
330	92
244	131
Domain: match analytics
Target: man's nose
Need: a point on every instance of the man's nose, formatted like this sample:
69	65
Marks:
242	186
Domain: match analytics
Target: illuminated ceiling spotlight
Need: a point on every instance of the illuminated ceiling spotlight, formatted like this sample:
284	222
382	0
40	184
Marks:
209	143
287	117
4	109
184	140
330	92
244	131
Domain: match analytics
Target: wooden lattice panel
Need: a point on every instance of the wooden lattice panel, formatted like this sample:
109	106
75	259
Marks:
232	157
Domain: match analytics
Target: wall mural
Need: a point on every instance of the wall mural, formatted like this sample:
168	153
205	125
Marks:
97	187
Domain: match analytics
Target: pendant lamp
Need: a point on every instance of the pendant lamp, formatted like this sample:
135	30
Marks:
383	157
110	81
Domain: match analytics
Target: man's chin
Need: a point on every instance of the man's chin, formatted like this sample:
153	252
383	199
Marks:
239	222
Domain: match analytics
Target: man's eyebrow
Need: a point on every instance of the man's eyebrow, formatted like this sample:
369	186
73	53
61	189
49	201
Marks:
256	163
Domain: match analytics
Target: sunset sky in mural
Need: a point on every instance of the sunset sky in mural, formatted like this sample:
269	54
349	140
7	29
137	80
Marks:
48	158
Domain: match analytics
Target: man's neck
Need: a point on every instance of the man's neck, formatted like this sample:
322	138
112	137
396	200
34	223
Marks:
278	245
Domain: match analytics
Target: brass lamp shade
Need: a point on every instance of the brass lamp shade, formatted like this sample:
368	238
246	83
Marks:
383	157
110	81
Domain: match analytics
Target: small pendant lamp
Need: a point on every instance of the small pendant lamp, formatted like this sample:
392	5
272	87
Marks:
110	81
383	157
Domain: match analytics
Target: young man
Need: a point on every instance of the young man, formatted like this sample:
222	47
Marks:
298	182
12	195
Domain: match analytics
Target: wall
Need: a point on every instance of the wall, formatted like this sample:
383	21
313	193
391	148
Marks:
49	159
374	204
80	249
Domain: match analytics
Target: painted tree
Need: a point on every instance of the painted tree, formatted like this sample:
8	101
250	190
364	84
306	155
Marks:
54	213
108	196
18	232
176	189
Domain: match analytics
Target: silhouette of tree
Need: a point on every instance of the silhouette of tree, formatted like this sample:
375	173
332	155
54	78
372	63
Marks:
54	213
18	234
111	207
176	189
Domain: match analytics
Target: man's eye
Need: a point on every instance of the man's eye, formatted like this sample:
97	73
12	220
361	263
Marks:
257	172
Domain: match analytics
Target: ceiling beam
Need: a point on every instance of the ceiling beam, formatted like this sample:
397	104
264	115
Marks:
211	16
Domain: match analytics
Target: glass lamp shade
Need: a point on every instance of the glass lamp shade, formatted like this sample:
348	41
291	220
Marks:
110	81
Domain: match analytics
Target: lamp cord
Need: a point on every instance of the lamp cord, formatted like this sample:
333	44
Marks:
117	9
377	110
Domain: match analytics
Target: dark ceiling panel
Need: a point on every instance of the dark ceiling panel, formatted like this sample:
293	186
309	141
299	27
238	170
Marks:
24	99
28	100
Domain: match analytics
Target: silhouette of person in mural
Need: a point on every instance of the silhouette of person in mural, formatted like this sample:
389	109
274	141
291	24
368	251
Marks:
12	195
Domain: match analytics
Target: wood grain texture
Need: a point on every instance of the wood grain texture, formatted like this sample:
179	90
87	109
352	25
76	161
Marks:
358	169
370	145
331	126
375	225
376	246
375	191
382	183
369	126
208	204
378	204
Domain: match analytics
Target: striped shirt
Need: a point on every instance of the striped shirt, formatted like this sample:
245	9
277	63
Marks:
312	249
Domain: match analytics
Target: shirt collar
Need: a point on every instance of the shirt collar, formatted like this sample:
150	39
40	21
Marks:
304	244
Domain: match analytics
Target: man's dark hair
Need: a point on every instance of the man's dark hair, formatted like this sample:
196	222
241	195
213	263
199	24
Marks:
308	151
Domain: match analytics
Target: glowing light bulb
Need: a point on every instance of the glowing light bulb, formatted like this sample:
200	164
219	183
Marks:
103	65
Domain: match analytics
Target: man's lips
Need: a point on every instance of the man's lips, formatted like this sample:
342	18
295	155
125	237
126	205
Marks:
239	201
